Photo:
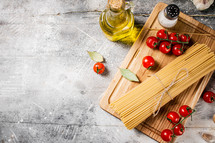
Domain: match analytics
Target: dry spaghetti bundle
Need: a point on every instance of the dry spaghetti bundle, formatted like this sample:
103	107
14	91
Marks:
147	98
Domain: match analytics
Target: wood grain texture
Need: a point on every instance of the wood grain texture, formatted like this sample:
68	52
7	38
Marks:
119	86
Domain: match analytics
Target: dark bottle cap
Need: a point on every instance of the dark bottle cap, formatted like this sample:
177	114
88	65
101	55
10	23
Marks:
172	11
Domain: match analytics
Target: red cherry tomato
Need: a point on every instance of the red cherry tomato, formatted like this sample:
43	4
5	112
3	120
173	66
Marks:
209	97
185	38
152	42
178	130
99	68
173	117
166	135
178	49
185	110
174	37
165	47
162	34
148	62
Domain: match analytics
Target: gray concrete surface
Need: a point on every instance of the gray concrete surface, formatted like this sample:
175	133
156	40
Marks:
48	90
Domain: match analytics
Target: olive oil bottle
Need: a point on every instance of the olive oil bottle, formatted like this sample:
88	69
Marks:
115	21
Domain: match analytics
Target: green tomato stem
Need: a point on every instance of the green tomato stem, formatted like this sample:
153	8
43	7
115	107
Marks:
181	122
173	41
98	70
193	110
149	68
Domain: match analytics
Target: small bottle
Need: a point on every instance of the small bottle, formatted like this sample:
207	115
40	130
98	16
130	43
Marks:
169	16
116	21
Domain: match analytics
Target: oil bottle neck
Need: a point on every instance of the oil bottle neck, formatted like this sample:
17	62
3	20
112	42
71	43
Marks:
116	5
116	14
116	18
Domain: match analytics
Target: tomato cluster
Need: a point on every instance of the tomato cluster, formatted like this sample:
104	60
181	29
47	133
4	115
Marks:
168	42
174	118
209	97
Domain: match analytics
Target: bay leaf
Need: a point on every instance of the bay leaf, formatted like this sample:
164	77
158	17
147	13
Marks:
95	56
126	73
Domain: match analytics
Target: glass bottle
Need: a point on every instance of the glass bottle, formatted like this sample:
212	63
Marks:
117	21
169	16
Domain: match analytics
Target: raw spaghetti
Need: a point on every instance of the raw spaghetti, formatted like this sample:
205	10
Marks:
142	101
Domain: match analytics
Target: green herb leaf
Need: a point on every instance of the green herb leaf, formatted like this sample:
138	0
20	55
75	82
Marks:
126	73
95	56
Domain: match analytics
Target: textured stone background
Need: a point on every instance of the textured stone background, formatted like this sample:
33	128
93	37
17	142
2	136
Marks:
48	90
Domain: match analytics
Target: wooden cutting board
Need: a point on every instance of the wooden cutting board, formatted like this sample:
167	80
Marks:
133	61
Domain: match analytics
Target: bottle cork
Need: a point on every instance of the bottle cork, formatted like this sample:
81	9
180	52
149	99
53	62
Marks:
116	5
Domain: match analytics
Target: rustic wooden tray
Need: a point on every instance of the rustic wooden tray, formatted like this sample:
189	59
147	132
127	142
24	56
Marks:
119	85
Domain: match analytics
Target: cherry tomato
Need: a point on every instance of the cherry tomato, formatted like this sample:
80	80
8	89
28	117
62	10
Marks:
148	62
178	49
99	68
185	110
174	37
185	38
178	130
152	42
209	97
166	135
173	117
165	47
163	34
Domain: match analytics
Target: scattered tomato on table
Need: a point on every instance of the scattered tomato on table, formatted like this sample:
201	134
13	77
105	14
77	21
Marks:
95	56
99	68
209	97
148	62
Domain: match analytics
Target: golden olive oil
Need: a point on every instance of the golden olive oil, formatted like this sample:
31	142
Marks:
115	21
